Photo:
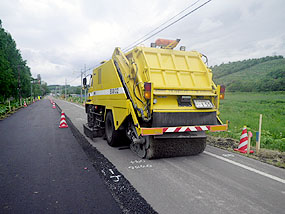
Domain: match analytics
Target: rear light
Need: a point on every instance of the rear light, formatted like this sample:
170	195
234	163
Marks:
222	92
147	90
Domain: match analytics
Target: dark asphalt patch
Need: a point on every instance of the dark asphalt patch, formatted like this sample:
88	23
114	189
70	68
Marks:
44	170
123	192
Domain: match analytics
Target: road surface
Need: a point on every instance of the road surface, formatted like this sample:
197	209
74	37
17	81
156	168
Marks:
216	181
43	169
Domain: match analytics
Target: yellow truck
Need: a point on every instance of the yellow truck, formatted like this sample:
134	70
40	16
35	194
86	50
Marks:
160	100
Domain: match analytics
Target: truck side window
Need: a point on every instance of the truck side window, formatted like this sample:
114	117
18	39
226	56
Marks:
99	76
91	81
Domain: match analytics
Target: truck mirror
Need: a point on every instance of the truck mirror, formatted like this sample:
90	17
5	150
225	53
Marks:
84	81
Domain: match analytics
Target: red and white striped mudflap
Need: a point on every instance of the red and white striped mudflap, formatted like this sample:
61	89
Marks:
242	147
63	123
186	129
53	105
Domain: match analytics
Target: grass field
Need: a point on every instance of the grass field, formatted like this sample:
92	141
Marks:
243	108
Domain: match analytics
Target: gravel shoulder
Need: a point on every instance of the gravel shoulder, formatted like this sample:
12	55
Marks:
273	157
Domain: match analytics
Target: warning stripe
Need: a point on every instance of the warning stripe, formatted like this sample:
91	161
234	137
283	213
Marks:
186	129
243	136
243	145
62	121
243	140
162	130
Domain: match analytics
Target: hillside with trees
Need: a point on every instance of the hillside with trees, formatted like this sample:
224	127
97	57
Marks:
60	89
263	74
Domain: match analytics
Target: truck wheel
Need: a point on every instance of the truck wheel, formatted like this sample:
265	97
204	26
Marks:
112	135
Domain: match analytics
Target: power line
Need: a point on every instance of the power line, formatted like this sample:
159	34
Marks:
187	14
73	79
161	25
138	41
88	69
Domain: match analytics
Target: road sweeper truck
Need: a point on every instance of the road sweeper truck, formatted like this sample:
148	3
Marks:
160	100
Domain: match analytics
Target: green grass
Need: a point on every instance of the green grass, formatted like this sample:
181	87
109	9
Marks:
76	99
244	108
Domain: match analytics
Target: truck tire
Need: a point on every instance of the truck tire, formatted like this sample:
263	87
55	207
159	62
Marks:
112	135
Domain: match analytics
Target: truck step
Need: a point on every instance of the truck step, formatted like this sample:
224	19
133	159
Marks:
92	132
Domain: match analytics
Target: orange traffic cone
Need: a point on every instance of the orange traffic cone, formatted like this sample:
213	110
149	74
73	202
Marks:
242	147
53	105
33	100
63	123
25	104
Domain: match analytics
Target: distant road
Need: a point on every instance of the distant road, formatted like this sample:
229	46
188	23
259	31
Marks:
216	181
43	169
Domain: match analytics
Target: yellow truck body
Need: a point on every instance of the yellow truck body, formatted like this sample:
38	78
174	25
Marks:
153	93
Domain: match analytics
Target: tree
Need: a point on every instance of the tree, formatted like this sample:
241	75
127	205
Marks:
15	75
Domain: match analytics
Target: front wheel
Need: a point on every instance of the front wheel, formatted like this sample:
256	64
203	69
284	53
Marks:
112	135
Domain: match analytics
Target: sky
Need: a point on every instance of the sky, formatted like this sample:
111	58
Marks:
60	38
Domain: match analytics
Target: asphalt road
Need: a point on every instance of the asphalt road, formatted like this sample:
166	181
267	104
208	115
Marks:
43	169
216	181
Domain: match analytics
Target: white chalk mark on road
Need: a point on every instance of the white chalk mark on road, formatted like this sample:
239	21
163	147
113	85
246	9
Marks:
140	166
247	167
117	177
137	161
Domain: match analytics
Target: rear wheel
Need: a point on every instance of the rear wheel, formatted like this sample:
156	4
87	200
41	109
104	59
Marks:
112	135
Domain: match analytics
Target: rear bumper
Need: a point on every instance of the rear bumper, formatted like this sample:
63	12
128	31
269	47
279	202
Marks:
181	129
176	119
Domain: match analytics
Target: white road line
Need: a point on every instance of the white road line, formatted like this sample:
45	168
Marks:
74	104
247	167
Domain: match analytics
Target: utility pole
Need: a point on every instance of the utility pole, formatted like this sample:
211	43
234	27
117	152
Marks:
65	89
85	77
81	86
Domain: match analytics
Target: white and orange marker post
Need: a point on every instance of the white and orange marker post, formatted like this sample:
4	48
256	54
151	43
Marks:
259	134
